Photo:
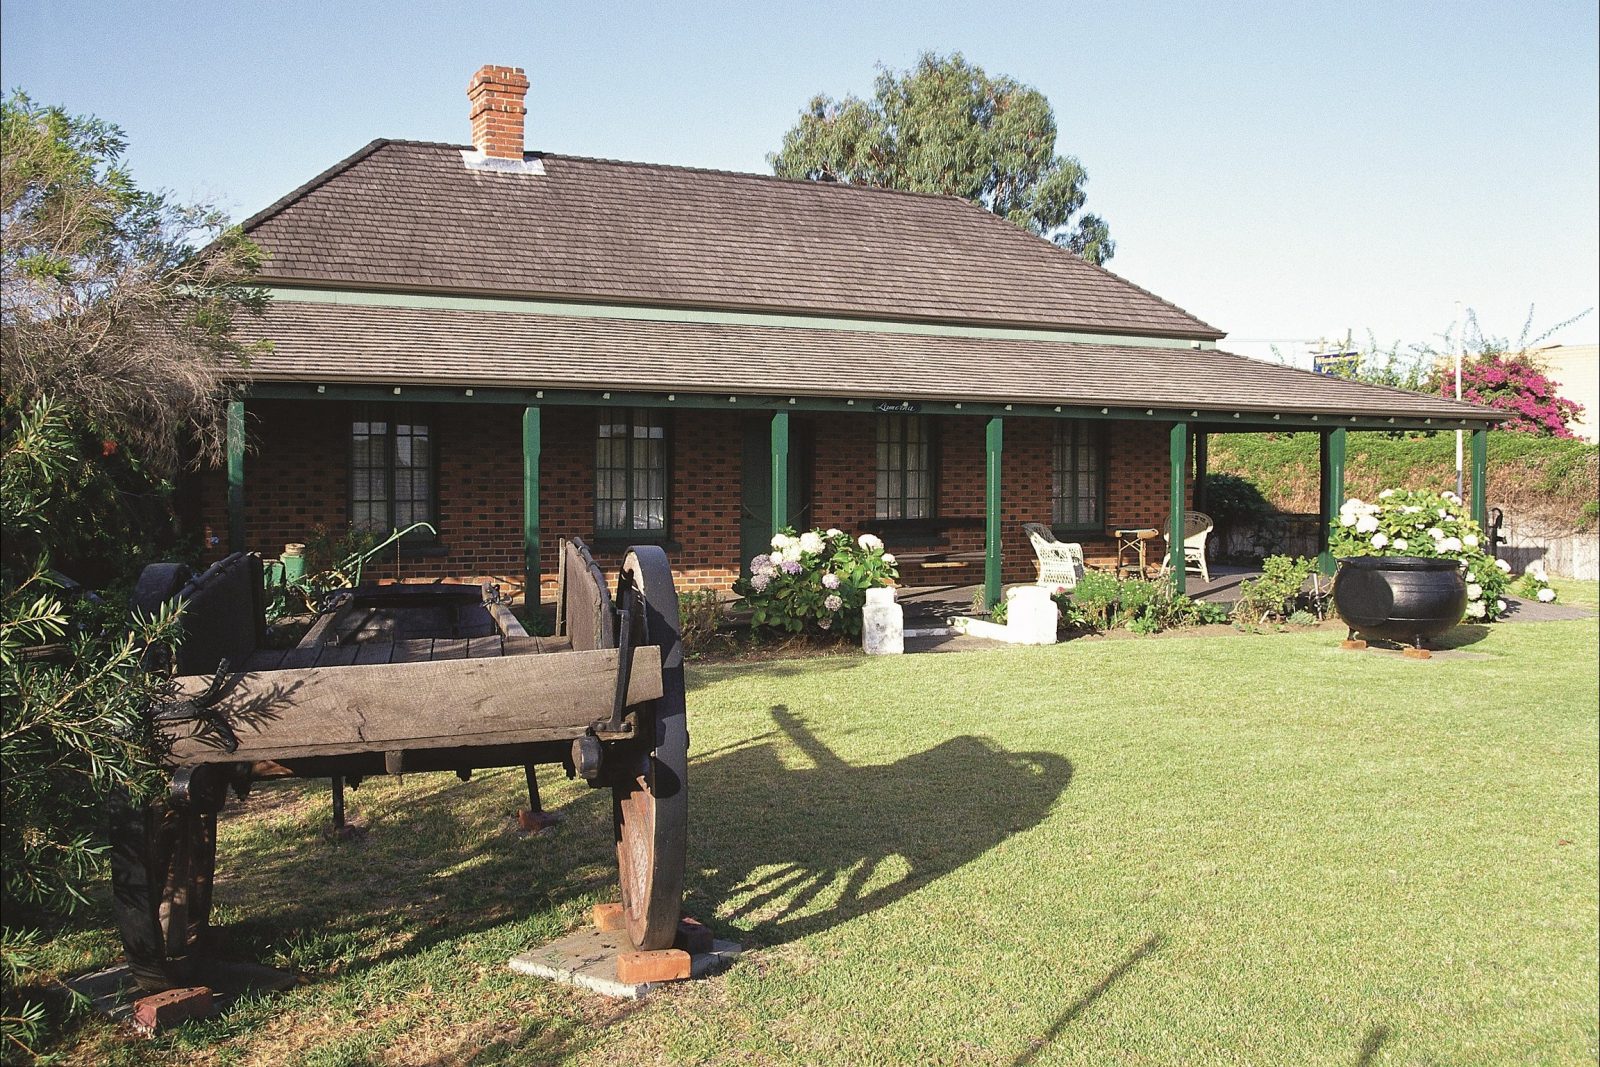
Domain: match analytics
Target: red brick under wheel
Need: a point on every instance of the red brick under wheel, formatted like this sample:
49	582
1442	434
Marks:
650	797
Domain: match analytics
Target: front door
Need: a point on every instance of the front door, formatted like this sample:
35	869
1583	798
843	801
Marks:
755	503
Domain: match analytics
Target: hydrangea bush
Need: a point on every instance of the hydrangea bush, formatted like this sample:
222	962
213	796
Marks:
1535	584
816	581
1415	522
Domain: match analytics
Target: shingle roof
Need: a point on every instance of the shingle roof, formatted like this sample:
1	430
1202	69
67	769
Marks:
412	216
323	342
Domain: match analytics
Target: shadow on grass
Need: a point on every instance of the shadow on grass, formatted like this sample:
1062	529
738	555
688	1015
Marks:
1371	1044
1094	992
797	851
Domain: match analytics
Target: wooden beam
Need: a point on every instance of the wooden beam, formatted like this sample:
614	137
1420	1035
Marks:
994	442
531	445
780	470
333	711
1178	466
235	433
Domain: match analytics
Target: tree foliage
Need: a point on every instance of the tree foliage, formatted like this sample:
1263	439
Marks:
109	297
947	127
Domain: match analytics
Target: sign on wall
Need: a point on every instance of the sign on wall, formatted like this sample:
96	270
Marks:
897	407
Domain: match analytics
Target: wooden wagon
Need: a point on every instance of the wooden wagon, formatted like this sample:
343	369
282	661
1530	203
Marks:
401	679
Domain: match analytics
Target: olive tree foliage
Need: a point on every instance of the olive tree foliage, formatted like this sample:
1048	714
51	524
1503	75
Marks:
117	301
116	315
947	127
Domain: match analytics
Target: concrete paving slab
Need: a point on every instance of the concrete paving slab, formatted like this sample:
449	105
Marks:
588	959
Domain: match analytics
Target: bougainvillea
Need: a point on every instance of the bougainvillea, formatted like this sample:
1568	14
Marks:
1513	384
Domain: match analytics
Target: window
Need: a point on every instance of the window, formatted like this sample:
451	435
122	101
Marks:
630	473
391	467
905	467
1076	493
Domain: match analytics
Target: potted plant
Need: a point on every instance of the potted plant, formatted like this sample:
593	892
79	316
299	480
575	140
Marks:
1412	565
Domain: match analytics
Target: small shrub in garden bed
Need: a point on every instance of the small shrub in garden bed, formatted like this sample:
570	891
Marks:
1278	593
1416	522
816	582
1535	585
1101	602
699	615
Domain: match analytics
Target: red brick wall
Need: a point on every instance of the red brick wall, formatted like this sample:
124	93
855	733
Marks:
295	478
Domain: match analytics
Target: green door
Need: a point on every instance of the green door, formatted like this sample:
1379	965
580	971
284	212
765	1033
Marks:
755	503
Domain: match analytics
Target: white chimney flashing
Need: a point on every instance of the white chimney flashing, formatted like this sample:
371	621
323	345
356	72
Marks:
476	160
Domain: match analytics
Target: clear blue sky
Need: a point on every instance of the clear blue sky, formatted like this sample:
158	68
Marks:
1284	170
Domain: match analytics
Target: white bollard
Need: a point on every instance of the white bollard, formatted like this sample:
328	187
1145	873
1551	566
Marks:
1030	616
882	624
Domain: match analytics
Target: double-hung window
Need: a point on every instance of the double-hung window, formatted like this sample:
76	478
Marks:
391	467
1077	497
905	467
630	473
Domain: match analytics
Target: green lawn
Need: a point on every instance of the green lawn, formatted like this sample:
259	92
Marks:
1197	850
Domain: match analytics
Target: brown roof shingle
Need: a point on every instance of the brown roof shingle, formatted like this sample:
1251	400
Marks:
391	345
411	216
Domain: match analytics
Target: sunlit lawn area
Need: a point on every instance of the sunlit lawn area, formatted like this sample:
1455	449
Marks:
1206	850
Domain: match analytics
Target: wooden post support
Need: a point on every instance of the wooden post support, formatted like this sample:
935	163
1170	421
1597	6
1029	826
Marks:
530	507
1178	462
1480	478
236	533
1332	467
780	470
994	440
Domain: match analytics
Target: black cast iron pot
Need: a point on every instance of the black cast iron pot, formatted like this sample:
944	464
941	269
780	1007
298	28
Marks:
1400	598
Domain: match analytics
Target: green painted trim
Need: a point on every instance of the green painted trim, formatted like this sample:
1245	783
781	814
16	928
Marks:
638	312
235	433
1480	478
994	448
455	394
531	445
1332	453
1178	463
780	470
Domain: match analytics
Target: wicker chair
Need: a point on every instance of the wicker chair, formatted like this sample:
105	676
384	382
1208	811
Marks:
1060	562
1197	526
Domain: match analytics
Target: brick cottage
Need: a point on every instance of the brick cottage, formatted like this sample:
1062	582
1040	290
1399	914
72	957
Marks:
519	346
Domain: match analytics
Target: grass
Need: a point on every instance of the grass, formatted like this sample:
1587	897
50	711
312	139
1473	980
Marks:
1527	474
1205	850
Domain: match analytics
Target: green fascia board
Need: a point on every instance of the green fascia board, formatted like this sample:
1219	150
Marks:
1215	422
520	306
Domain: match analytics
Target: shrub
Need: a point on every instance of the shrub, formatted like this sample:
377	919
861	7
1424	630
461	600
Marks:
1278	593
1408	522
699	616
1512	383
1535	585
816	581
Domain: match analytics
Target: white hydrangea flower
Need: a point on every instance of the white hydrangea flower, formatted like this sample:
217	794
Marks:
1471	540
1471	577
870	542
781	541
1476	609
1379	540
1450	544
1366	524
811	542
1474	591
1346	519
888	557
835	532
1450	496
1435	533
1411	509
1499	607
833	603
1547	594
1386	494
1444	513
1401	544
1505	568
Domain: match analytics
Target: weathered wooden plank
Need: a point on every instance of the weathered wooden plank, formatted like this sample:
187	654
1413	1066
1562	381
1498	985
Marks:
300	656
449	648
336	655
505	621
325	626
374	652
479	647
499	700
264	659
413	650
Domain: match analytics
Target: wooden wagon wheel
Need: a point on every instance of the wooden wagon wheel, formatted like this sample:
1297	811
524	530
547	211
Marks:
163	862
650	797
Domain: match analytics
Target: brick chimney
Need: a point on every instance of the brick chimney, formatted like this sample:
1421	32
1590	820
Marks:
496	95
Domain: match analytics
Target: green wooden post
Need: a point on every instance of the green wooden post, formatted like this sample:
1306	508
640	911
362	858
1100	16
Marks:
1480	478
780	470
236	476
1178	459
531	596
1333	447
994	440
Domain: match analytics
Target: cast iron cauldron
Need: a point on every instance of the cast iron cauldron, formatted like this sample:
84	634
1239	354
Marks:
1400	598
